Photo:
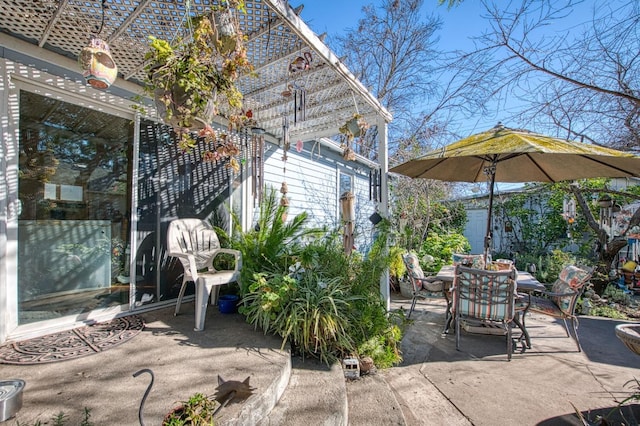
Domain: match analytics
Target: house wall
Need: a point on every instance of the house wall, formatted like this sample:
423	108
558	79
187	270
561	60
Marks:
313	177
313	180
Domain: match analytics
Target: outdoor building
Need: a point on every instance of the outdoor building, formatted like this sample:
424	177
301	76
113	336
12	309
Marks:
89	182
613	220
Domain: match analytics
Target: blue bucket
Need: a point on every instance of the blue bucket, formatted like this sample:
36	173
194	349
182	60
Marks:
227	304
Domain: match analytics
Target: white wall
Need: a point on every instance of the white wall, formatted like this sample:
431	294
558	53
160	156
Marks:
312	180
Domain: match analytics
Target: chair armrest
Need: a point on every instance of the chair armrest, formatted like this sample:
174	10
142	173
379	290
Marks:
552	294
236	253
190	260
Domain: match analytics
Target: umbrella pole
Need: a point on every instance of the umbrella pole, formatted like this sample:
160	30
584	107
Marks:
490	171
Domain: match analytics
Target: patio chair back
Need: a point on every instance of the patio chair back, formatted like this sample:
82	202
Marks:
560	302
484	299
422	286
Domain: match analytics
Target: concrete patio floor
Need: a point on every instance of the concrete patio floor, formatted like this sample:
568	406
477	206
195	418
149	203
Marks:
435	384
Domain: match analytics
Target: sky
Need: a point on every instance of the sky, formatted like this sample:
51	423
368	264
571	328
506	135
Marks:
335	16
459	25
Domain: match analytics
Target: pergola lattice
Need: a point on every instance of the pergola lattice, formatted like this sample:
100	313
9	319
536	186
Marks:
276	36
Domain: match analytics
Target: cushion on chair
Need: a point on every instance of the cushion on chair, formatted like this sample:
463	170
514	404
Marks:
570	281
574	276
563	302
414	269
493	306
471	260
545	306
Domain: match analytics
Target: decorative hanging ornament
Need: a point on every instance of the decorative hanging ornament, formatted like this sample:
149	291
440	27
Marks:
301	63
98	67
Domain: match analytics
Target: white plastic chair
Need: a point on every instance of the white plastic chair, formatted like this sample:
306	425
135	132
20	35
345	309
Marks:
196	245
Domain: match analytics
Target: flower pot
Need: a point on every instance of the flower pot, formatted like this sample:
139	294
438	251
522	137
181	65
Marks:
226	37
353	127
228	303
97	65
174	106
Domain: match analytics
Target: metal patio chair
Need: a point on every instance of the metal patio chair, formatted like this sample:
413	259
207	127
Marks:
560	302
422	287
485	301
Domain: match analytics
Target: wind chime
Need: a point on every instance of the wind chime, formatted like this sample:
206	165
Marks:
569	213
297	67
98	67
286	144
348	206
257	164
375	185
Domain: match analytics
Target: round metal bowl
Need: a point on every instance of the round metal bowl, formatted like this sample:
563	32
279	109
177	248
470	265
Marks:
630	336
10	398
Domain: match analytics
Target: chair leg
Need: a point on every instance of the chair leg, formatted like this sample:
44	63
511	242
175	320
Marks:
214	295
413	305
509	343
566	326
448	314
523	329
574	323
457	327
183	287
203	291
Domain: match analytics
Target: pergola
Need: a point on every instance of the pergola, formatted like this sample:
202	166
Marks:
276	36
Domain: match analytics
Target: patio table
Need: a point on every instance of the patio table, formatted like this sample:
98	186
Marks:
526	283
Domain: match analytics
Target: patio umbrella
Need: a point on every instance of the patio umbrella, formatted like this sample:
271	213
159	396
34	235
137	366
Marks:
512	155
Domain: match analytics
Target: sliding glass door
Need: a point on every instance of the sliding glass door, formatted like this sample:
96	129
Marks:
75	194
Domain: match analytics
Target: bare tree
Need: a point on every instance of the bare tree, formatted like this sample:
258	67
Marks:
581	83
392	51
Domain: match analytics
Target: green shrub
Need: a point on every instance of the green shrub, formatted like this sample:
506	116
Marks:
616	295
324	303
607	312
265	299
316	318
442	247
272	244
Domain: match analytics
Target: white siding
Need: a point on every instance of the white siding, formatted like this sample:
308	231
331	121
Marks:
312	180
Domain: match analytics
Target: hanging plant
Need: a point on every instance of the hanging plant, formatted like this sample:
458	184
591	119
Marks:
195	79
349	154
354	127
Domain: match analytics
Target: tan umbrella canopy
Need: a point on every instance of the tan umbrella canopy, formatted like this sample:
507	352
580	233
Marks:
512	155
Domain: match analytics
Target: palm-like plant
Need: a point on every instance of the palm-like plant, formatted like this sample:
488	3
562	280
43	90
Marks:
317	319
273	245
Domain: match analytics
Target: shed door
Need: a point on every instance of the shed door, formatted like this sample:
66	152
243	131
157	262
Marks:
476	229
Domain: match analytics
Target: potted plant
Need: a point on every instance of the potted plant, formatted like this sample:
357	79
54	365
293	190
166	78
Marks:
197	410
195	78
354	127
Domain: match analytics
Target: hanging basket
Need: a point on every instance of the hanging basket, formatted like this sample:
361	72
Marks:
354	127
226	37
178	110
349	154
98	67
